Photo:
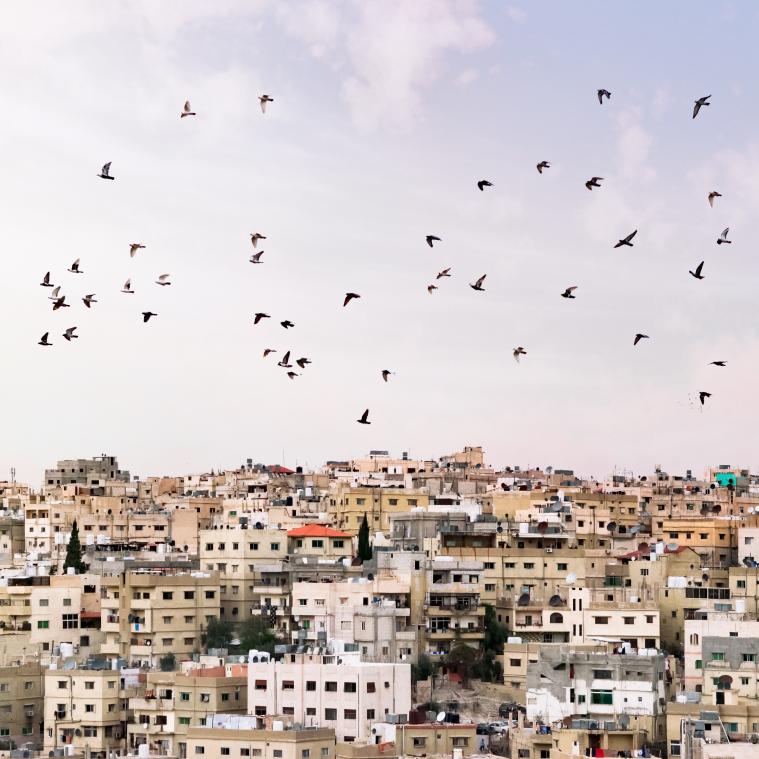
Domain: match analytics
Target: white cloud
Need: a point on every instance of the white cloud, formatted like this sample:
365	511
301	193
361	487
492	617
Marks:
634	144
515	14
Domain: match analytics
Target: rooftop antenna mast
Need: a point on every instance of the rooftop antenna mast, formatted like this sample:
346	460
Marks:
13	475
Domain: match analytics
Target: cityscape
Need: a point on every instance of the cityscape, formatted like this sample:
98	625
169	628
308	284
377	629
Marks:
379	606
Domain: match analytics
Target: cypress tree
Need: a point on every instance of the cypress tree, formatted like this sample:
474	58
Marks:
74	552
364	546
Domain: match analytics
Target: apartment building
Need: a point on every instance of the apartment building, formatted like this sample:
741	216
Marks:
320	541
226	739
22	702
146	614
85	708
377	503
714	538
337	691
252	565
85	472
172	704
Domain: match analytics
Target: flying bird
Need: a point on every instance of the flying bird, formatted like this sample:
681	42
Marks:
444	273
303	362
349	297
105	172
260	315
287	324
127	287
255	237
89	299
364	418
60	303
697	274
54	294
478	284
46	281
285	362
723	237
627	240
187	110
483	183
543	165
134	247
703	395
431	239
163	280
43	340
146	316
714	194
640	336
699	103
430	288
256	257
568	292
74	268
267	351
69	334
264	99
602	94
293	375
718	363
593	182
385	374
517	352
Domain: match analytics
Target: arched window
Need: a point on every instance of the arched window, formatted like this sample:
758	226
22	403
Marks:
556	618
694	639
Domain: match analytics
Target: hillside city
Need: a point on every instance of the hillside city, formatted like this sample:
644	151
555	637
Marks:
379	607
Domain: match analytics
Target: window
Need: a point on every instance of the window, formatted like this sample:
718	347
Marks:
244	752
515	662
70	621
167	595
420	742
317	544
337	543
602	674
330	686
649	619
349	687
718	656
62	684
89	707
274	546
200	750
561	566
288	685
741	583
371	687
311	685
225	750
67	602
260	685
330	714
349	714
601	697
699	664
305	753
183	696
189	595
601	620
370	713
210	594
325	751
44	602
43	624
748	657
89	685
184	720
628	620
277	753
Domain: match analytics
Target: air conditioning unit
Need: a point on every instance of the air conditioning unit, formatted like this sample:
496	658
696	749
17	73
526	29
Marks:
549	550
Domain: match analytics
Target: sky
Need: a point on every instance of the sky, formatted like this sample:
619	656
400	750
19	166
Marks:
385	116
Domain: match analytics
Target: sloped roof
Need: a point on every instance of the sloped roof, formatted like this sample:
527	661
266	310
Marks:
316	531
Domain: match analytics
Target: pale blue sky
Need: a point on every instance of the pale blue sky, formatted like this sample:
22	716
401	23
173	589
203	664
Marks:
384	117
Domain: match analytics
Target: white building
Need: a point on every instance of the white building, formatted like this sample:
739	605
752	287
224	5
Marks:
329	690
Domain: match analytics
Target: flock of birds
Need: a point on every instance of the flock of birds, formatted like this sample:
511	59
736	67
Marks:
59	300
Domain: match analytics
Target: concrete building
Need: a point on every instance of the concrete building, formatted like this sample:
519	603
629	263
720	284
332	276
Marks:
22	691
337	691
94	471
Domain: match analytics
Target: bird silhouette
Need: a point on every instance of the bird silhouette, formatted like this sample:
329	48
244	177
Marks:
134	247
293	375
255	237
483	183
105	172
303	362
640	336
127	289
267	351
287	324
430	288
46	281
432	239
593	182
627	240
385	374
260	315
703	394
60	303
364	418
163	280
43	340
722	239
146	316
74	268
89	299
697	274
568	292
69	334
54	293
444	273
517	352
264	99
349	297
602	94
256	257
285	362
543	165
187	110
478	284
718	363
698	103
713	194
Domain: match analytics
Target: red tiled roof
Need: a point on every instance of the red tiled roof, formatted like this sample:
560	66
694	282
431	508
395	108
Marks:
316	531
277	469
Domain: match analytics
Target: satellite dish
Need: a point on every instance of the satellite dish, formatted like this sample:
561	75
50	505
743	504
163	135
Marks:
556	600
571	578
523	600
643	547
750	509
542	527
440	717
705	576
611	526
671	546
624	721
499	528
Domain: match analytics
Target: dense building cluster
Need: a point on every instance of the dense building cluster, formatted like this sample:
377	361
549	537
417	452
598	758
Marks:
379	607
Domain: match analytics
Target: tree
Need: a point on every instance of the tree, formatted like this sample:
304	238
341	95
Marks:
218	634
167	663
461	659
255	635
364	546
74	552
423	668
488	667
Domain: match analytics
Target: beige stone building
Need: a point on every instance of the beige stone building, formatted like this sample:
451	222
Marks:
22	702
229	742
